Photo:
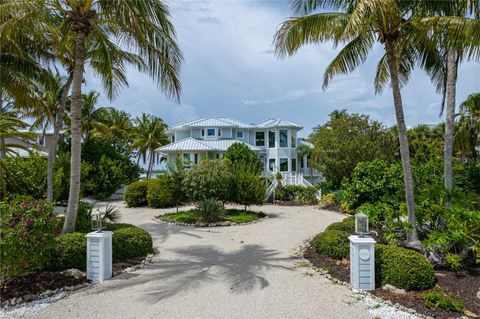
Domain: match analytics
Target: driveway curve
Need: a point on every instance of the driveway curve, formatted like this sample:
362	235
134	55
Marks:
244	271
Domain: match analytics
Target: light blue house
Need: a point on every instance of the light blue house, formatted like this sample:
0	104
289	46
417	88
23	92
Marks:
274	141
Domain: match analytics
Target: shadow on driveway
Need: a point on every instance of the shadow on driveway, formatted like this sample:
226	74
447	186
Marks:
196	266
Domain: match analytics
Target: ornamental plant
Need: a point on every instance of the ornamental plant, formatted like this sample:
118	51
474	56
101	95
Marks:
29	228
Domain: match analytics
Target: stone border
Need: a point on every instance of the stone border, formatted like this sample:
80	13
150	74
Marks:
53	295
217	224
372	302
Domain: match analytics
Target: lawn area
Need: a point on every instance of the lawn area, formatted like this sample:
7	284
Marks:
232	215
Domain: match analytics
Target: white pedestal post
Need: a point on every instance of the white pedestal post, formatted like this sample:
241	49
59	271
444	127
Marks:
99	255
362	262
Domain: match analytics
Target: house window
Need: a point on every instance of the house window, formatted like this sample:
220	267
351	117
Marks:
203	132
217	156
284	165
260	138
41	140
271	139
186	158
301	163
173	138
294	164
239	134
210	132
283	138
294	140
219	132
195	158
271	164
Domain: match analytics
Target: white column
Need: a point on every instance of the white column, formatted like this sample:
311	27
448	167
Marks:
362	262
99	255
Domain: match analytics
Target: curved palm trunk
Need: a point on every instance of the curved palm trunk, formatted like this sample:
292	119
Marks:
57	126
412	237
80	28
2	139
449	123
150	165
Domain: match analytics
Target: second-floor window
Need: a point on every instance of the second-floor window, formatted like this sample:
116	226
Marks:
219	132
210	132
260	138
283	138
271	139
239	134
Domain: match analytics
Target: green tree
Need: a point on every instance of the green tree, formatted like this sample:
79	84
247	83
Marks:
249	188
242	156
358	25
346	140
150	134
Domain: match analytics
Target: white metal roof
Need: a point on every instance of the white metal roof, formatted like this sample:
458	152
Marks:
212	122
191	144
277	123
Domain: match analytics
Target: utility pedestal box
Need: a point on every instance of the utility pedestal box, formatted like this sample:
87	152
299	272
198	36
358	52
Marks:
99	255
362	262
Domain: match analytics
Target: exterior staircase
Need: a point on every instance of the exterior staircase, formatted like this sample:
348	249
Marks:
288	179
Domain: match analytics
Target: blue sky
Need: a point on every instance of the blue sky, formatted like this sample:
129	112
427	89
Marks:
230	70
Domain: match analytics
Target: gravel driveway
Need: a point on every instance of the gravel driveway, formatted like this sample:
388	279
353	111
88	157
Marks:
242	271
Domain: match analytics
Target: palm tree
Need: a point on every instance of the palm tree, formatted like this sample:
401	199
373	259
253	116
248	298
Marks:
471	106
359	24
113	125
150	135
467	135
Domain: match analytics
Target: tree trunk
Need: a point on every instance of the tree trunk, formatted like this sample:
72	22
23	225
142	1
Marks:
57	126
2	139
80	28
449	123
412	237
150	165
476	5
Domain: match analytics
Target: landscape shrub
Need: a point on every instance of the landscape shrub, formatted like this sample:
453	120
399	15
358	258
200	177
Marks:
28	230
249	188
83	222
327	200
242	157
25	175
402	268
69	251
347	225
130	242
136	194
304	194
436	299
210	210
107	176
210	179
159	194
332	243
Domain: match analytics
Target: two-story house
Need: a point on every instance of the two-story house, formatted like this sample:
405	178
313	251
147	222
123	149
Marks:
274	141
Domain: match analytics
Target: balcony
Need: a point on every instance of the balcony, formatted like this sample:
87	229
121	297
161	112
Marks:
310	172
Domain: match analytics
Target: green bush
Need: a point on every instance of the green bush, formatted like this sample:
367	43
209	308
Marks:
347	225
210	210
304	194
436	299
130	242
28	230
159	194
69	251
210	179
241	156
249	188
332	243
136	194
327	200
402	268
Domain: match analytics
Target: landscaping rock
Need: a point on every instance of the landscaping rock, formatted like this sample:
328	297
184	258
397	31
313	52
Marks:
393	289
75	273
226	223
478	294
470	314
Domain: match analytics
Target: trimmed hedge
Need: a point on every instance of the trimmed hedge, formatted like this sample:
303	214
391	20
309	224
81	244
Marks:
402	268
159	192
70	251
332	243
136	194
347	225
128	241
131	242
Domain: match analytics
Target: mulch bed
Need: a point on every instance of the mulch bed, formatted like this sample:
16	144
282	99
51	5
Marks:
30	286
464	284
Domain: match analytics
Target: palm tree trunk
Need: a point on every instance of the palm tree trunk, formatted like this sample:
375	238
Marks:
412	237
81	29
150	166
476	5
2	139
449	123
57	126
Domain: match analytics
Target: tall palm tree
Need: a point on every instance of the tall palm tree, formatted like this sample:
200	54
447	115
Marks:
113	124
358	24
471	106
150	135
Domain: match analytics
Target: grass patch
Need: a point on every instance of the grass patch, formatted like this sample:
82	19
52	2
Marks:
233	215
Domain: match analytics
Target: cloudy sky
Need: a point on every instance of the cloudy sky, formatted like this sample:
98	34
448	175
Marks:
230	70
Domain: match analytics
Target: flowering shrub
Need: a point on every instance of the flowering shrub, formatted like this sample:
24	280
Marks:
28	231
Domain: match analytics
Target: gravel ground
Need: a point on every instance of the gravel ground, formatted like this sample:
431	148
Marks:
244	271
